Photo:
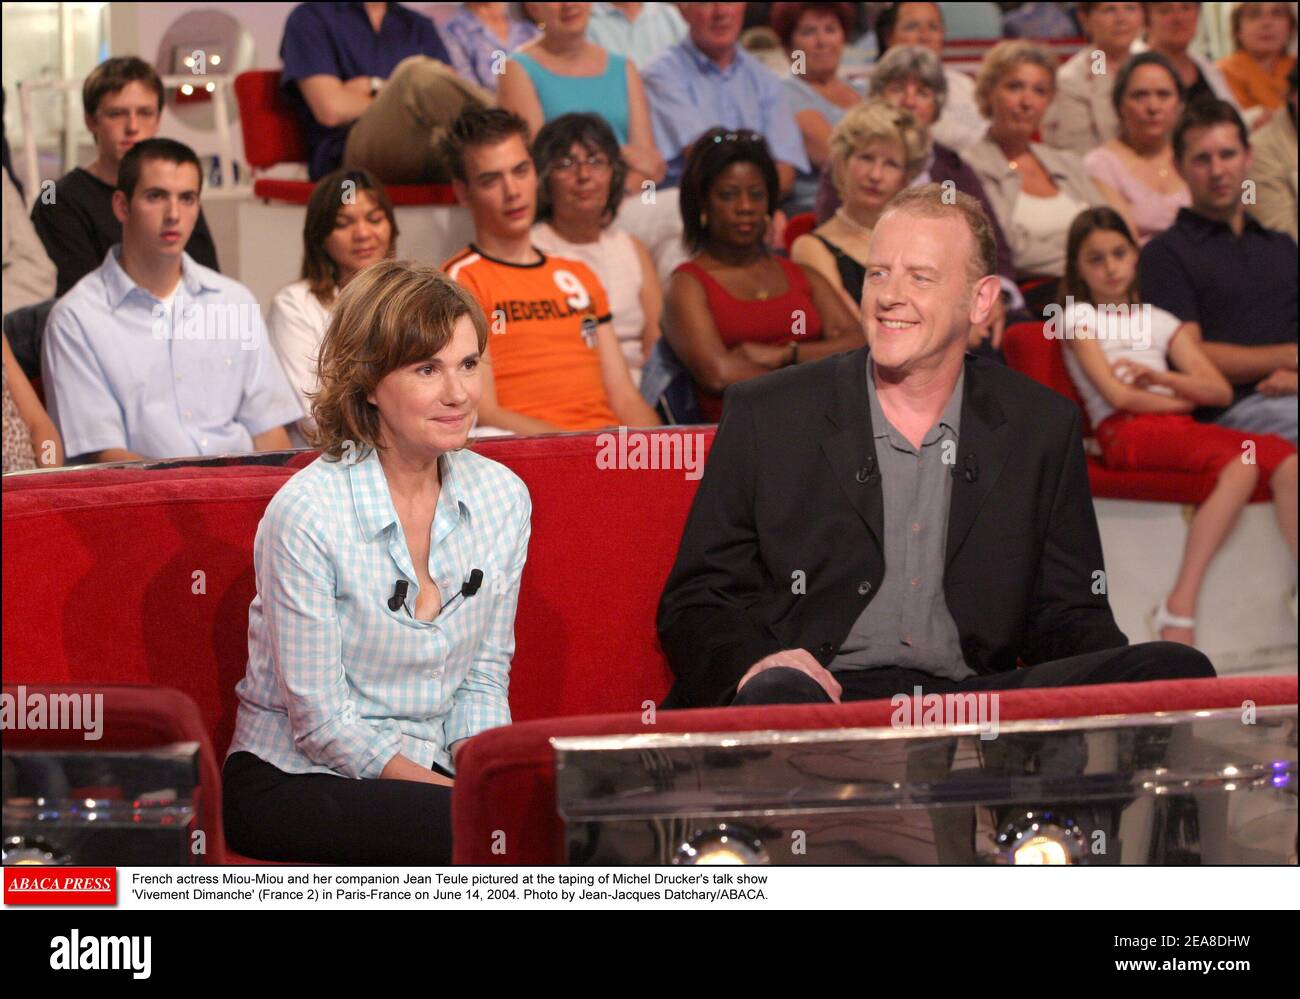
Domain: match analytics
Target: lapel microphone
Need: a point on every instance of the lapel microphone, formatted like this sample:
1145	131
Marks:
969	470
468	589
867	472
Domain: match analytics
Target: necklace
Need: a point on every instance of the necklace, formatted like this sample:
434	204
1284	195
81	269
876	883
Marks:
852	223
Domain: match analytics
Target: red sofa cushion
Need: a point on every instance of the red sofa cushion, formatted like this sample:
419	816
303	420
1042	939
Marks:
1030	352
505	778
99	577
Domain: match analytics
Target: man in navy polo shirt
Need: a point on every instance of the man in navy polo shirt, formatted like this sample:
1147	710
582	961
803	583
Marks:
375	89
1221	271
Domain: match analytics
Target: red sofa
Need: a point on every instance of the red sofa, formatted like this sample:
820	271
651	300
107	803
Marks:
1040	357
101	585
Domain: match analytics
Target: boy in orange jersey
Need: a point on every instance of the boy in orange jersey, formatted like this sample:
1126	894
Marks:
553	361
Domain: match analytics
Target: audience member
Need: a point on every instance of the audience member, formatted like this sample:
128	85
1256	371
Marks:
1257	68
1141	372
1170	30
153	355
960	125
355	705
1274	171
349	224
735	311
911	77
30	439
1082	115
374	88
708	81
812	36
892	479
1040	21
1219	270
478	38
1135	171
579	190
636	31
123	100
553	362
876	150
1036	190
29	275
561	72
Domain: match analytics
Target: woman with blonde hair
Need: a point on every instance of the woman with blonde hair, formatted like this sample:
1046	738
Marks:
876	150
1036	191
388	571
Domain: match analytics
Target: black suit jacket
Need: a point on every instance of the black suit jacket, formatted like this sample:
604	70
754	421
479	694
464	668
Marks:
791	486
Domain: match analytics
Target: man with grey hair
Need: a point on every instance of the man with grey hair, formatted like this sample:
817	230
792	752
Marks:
900	516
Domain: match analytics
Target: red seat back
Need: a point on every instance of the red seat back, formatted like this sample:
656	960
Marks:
1040	357
799	225
135	718
272	131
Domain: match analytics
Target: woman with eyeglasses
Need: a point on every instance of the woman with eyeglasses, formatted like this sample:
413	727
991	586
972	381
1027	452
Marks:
580	175
734	310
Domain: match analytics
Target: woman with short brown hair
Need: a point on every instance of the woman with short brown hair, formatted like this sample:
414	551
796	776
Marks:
388	573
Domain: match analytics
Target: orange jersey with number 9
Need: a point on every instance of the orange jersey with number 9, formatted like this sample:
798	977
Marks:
542	321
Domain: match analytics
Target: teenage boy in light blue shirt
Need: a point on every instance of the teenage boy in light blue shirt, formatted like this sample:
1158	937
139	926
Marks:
153	355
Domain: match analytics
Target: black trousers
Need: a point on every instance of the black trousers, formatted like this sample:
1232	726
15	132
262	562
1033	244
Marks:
1129	664
955	828
329	819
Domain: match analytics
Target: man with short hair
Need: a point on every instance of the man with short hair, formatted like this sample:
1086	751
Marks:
375	89
123	100
904	515
153	355
708	80
1217	269
553	361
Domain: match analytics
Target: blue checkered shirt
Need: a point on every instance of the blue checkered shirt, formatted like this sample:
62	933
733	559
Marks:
337	682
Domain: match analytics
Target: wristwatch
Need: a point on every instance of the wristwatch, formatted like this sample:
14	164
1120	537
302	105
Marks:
376	85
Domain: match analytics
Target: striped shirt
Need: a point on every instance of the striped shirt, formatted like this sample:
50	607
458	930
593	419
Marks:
339	683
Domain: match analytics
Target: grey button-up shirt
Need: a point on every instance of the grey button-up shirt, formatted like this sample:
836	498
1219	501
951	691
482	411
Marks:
907	623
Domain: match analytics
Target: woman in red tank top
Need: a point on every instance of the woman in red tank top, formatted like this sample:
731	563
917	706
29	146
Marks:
736	311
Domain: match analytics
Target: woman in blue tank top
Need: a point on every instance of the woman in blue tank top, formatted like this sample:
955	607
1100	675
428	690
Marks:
560	72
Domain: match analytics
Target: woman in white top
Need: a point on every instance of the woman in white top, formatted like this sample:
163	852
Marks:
1036	191
350	224
1136	171
580	176
1140	373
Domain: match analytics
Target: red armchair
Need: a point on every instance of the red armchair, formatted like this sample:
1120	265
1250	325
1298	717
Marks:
272	134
